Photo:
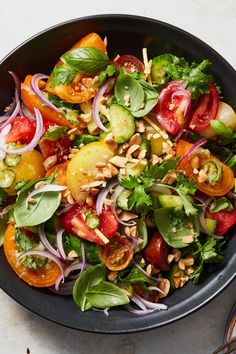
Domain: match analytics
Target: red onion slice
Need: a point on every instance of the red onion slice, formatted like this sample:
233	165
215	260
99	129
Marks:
102	195
34	142
155	288
192	149
138	302
45	242
59	243
34	83
138	312
152	305
11	117
114	197
45	189
96	103
17	88
44	254
144	272
66	208
76	266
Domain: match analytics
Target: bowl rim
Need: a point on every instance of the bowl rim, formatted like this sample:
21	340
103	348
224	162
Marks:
227	275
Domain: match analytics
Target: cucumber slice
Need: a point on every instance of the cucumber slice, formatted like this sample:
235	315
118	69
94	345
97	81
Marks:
12	160
7	178
169	201
211	225
122	199
130	170
122	123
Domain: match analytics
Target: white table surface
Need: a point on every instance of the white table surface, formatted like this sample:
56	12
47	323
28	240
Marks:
200	333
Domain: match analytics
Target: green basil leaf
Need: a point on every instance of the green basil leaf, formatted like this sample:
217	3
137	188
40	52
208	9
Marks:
136	277
129	92
90	277
86	60
221	129
174	225
55	133
35	214
150	100
73	243
62	75
106	295
221	204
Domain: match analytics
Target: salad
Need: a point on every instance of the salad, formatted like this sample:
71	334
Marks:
117	181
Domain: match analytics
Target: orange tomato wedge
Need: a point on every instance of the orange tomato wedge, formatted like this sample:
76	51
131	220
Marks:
219	189
82	88
43	277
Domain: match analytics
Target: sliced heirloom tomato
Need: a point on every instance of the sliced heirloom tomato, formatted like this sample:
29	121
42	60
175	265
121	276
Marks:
118	253
82	87
22	130
220	188
156	252
31	101
129	62
225	220
60	178
73	221
173	106
206	109
43	277
59	147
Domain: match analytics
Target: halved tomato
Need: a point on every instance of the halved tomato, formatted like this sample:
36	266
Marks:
206	109
173	106
118	253
22	130
157	251
225	220
129	62
43	277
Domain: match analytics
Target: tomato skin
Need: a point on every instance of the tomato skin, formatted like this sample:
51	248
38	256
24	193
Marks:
73	222
22	130
206	109
173	105
32	101
58	147
118	253
225	220
130	63
43	277
157	251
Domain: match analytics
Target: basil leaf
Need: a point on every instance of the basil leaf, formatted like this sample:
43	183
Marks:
150	100
90	277
86	60
129	92
62	75
73	243
174	225
221	129
221	204
136	277
55	133
106	295
35	214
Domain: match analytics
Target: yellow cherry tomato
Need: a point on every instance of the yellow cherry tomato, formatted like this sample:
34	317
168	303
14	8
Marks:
30	168
82	168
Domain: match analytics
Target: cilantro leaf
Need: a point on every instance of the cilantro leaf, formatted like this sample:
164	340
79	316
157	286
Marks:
139	199
159	171
62	75
207	252
130	182
187	186
187	201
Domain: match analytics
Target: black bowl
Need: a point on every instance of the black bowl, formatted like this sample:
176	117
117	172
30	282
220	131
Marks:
128	35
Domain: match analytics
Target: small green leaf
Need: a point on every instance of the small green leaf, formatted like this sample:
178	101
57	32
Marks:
106	295
62	75
90	277
221	204
129	92
136	277
150	99
86	60
54	133
221	129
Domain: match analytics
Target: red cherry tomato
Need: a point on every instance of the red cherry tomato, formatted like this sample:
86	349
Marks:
22	130
118	253
157	251
206	109
73	222
130	63
152	295
225	220
58	147
173	105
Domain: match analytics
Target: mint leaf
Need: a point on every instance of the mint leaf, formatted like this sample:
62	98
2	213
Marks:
86	60
62	75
